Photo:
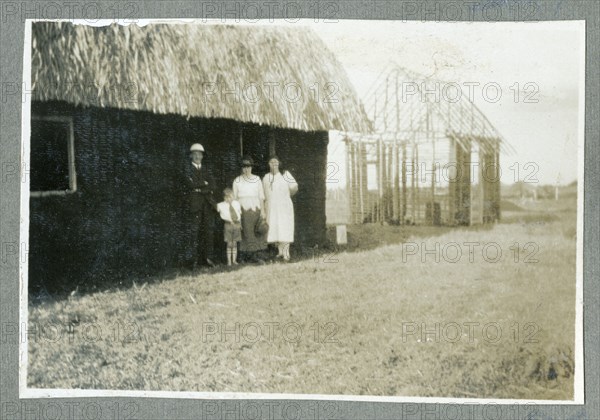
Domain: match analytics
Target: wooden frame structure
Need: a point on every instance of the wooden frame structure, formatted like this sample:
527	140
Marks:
434	157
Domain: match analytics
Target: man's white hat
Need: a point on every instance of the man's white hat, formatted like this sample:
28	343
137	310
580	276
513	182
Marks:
197	147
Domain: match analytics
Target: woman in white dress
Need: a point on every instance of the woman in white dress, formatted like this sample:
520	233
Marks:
279	187
248	190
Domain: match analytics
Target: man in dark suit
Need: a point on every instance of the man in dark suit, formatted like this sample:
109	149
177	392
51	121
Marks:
199	189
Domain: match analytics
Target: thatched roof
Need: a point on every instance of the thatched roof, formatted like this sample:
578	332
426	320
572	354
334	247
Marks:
189	70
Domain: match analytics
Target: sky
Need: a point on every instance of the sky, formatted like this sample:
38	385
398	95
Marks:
543	127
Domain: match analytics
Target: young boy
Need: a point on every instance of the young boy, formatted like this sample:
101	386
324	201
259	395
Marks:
231	213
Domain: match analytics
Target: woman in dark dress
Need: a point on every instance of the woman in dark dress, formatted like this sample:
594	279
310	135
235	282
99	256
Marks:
248	190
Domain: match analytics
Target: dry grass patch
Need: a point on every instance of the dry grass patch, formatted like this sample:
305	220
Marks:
346	326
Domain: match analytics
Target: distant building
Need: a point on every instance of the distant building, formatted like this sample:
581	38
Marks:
430	160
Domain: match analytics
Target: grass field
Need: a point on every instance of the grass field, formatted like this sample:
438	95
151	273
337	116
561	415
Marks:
380	318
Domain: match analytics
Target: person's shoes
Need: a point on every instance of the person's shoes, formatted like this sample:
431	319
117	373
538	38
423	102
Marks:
210	263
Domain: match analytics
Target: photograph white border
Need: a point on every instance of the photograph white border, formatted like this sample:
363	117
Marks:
25	392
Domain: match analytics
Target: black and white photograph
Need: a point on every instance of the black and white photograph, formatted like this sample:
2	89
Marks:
351	209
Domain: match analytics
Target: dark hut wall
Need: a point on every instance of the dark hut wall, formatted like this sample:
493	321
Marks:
126	216
304	154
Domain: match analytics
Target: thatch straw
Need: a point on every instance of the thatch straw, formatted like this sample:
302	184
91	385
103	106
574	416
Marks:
187	70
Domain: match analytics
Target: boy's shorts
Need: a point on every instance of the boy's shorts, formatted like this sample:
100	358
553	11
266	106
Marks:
232	232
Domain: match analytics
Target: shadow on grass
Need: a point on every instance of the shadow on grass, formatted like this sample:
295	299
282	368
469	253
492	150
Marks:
109	280
360	238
